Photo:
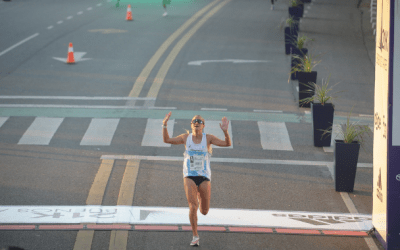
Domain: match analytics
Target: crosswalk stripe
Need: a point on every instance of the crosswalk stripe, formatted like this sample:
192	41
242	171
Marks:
153	133
41	131
3	120
212	127
274	136
100	132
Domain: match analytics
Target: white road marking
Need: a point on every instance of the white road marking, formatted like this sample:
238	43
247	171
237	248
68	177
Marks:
99	4
153	133
77	56
41	131
80	13
3	120
89	98
230	160
100	132
90	8
18	44
162	108
274	136
59	22
353	210
50	27
267	111
199	63
213	109
108	31
80	106
70	17
212	127
178	216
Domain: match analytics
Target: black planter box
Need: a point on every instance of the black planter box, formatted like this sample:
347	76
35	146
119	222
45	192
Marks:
296	12
345	165
290	36
294	61
304	91
322	116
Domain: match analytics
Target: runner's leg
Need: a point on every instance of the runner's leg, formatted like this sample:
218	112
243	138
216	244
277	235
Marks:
191	195
205	195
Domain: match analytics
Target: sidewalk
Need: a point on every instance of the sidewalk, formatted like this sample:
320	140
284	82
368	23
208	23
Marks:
343	37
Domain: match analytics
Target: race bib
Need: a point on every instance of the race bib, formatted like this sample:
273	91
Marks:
196	162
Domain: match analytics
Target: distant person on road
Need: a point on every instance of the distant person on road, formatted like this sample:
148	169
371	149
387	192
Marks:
196	165
165	2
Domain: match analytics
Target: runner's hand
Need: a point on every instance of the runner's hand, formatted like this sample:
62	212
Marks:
167	118
225	124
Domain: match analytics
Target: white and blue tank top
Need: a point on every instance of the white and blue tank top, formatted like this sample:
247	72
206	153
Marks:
196	159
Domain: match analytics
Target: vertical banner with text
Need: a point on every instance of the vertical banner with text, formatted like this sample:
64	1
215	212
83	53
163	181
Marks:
386	181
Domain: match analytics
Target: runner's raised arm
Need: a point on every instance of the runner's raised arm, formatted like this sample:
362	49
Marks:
176	140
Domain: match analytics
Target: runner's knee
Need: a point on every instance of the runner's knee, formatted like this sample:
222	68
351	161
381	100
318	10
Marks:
204	211
193	206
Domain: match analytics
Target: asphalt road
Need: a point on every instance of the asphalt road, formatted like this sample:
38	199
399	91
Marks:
215	58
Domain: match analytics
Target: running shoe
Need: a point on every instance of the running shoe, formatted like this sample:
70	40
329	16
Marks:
195	241
165	14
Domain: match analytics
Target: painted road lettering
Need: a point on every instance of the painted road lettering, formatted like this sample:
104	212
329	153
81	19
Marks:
322	219
178	216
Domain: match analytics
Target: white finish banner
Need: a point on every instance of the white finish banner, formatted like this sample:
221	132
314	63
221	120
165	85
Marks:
179	216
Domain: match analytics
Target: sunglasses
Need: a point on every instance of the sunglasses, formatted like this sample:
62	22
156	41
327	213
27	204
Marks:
199	121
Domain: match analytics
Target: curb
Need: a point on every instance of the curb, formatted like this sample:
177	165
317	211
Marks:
183	228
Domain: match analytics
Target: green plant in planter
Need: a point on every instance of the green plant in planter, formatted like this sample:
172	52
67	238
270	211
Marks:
294	3
351	131
346	154
301	40
291	22
320	99
322	94
305	63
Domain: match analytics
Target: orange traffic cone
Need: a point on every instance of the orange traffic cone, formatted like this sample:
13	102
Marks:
70	58
129	13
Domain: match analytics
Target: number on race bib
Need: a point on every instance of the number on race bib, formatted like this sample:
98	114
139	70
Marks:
196	162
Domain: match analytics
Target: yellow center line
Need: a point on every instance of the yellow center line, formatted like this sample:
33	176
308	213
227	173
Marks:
158	81
119	238
141	80
84	238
